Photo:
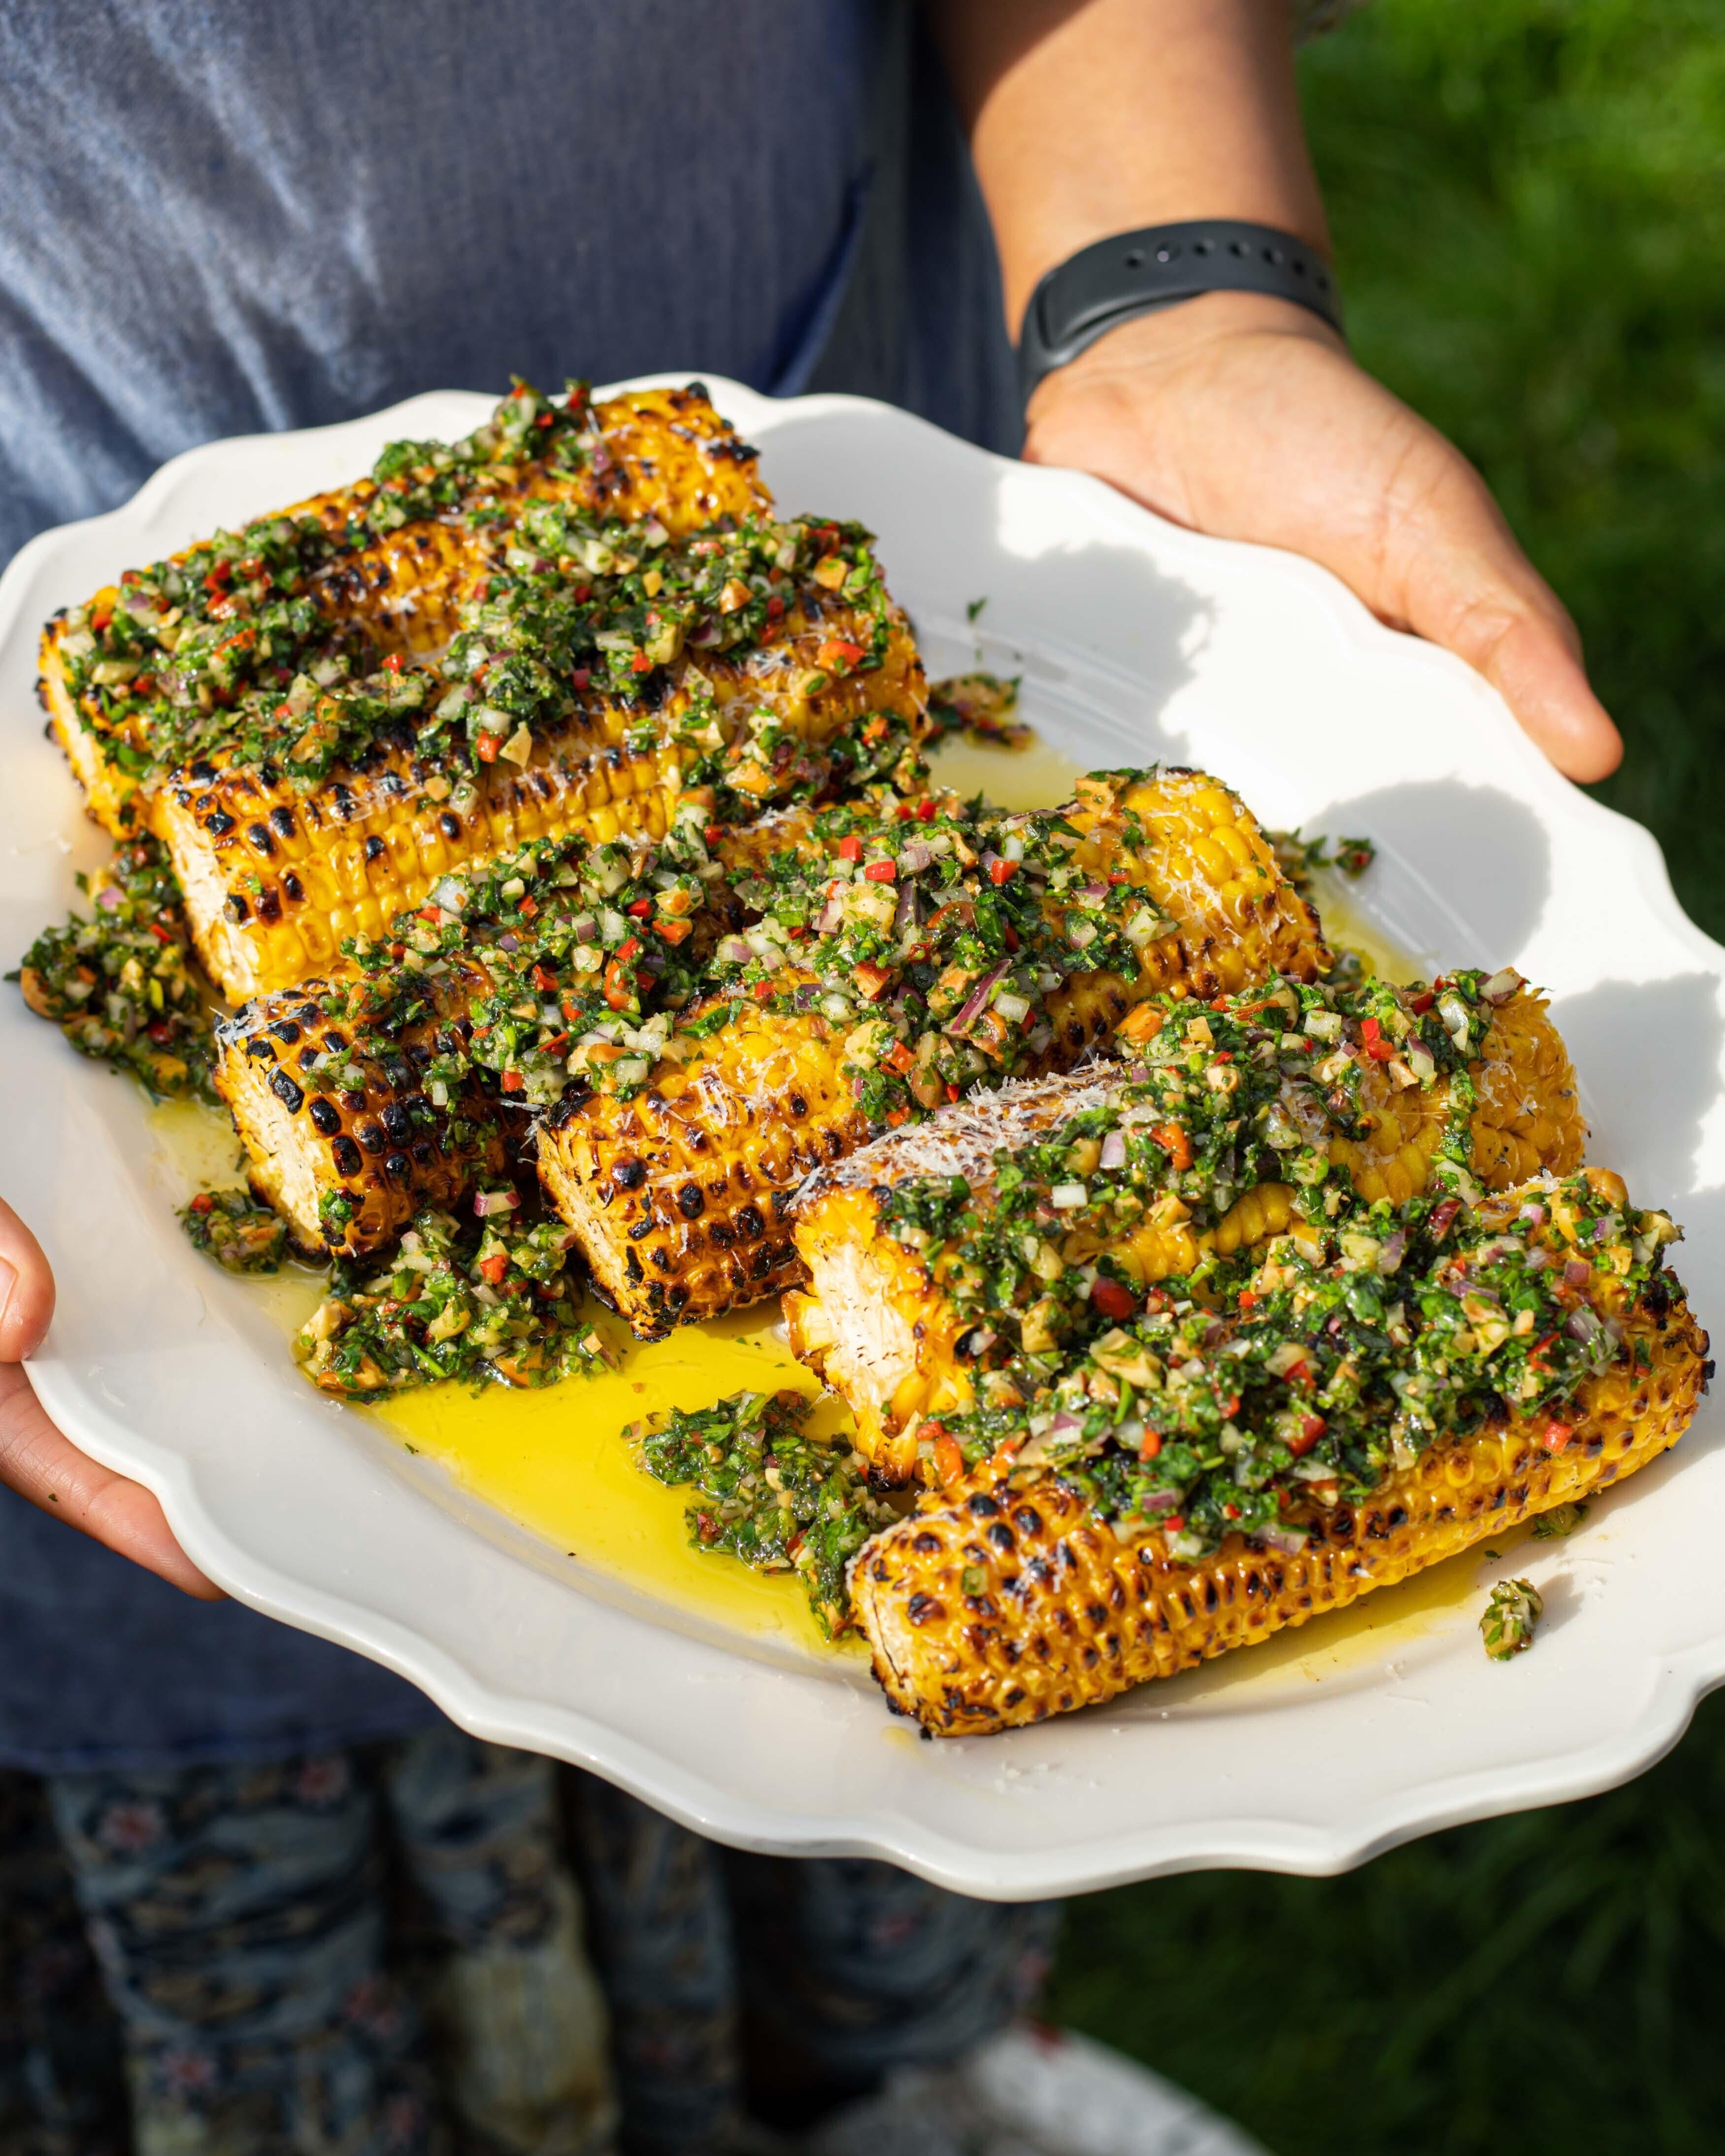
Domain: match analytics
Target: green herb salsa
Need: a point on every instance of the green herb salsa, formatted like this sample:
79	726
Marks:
768	1493
123	985
1247	1091
242	652
494	1302
1303	1379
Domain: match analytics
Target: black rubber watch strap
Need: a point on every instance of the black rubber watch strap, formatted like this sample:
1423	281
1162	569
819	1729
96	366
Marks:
1135	273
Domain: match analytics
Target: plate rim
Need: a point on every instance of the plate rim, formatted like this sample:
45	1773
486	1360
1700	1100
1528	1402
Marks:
1353	1835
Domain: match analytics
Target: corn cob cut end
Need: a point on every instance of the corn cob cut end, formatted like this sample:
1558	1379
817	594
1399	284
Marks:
1527	1117
346	1166
1070	1610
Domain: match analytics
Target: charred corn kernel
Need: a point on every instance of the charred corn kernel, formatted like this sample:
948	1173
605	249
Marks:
1006	1598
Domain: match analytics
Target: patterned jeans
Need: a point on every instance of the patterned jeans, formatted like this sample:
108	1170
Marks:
379	1953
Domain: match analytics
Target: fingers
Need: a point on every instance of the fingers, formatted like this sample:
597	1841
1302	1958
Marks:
39	1464
26	1289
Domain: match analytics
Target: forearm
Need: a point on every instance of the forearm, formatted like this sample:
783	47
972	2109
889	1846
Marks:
1088	117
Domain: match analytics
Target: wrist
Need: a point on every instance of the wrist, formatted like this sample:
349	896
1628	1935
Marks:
1151	270
1157	346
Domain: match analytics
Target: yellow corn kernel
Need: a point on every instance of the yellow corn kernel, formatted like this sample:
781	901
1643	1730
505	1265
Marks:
1254	1217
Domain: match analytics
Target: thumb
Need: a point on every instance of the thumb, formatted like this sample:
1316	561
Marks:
1463	582
26	1289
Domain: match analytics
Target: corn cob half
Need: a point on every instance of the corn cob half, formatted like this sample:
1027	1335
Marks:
679	1195
925	1268
332	1106
1018	1593
277	877
392	556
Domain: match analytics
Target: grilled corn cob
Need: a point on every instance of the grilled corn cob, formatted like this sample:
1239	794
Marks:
1027	1588
309	784
467	1014
277	879
392	556
679	1197
982	1230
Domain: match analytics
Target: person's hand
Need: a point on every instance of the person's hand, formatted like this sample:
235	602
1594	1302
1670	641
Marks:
47	1468
1246	418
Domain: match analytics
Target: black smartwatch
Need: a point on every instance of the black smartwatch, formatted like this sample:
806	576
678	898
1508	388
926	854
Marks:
1136	273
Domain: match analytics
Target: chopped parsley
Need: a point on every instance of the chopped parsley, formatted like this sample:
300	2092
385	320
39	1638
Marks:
489	1302
767	1493
230	1227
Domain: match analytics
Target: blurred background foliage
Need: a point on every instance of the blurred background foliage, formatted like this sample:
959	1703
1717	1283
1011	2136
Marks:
1528	203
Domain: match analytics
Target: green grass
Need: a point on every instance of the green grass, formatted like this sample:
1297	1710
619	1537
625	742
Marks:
1528	198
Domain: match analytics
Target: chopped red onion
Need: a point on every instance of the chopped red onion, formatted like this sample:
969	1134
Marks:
1113	1152
914	858
109	897
495	1201
1502	985
1578	1272
978	1000
1290	1540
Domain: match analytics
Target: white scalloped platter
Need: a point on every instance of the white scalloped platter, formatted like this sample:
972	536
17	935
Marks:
1135	640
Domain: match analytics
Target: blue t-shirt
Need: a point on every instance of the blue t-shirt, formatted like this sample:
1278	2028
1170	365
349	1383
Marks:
217	220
